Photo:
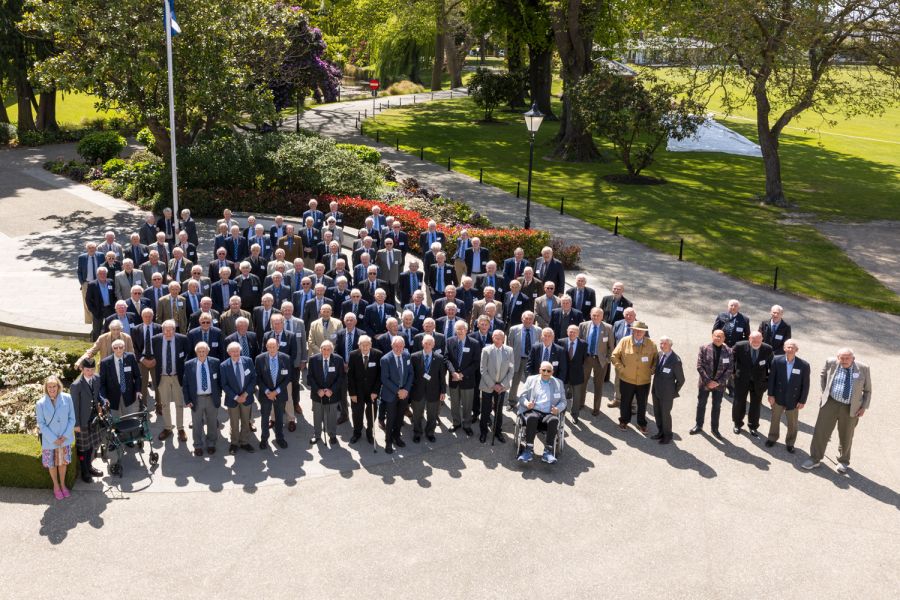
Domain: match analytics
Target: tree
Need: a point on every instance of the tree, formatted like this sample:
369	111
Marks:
637	114
226	54
785	56
488	90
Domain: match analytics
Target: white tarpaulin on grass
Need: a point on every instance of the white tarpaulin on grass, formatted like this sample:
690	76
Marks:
715	137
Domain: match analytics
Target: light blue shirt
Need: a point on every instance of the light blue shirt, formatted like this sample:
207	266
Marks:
200	389
790	367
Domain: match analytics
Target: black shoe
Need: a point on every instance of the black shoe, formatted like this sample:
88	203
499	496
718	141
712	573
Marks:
474	419
388	450
790	449
370	438
332	440
468	431
695	430
716	434
264	445
281	444
417	439
482	438
575	419
429	437
665	440
232	449
769	443
86	476
247	447
500	438
736	429
455	427
658	436
355	438
95	472
754	433
399	443
130	444
314	440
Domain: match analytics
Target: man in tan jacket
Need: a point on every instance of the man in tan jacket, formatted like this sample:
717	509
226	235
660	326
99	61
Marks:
103	346
846	395
173	306
635	359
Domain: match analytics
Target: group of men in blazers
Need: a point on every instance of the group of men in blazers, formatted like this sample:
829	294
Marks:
377	338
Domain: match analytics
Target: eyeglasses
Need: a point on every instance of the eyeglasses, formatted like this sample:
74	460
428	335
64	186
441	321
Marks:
546	370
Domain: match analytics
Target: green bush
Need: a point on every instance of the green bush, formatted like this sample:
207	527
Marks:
146	138
365	153
113	166
404	87
318	166
488	90
100	146
7	133
20	463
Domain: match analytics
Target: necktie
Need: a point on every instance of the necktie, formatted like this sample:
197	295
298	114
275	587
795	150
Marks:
148	347
204	377
848	382
527	342
325	367
235	243
287	325
546	356
427	363
130	279
122	378
571	350
273	369
389	262
592	341
170	357
238	373
413	283
518	270
491	281
459	352
400	368
440	279
205	337
172	302
193	303
754	354
348	343
355	309
381	313
245	347
578	299
372	288
265	319
325	326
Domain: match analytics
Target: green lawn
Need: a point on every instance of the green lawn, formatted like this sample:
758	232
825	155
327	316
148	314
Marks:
71	108
708	200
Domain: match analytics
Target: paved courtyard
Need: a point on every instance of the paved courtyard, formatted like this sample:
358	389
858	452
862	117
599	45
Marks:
619	516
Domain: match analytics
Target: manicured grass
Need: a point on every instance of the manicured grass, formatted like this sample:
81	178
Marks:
72	347
20	463
709	200
71	108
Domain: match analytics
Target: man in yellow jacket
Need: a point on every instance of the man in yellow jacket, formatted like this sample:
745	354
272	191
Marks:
635	359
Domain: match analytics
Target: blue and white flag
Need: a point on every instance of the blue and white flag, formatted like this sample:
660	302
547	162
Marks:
173	23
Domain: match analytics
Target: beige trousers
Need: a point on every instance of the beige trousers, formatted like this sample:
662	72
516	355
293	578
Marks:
88	317
775	427
169	391
239	419
830	414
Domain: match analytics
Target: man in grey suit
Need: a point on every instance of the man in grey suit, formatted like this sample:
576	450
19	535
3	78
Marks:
496	378
600	343
846	395
296	326
545	305
667	381
389	261
788	390
521	338
127	278
154	265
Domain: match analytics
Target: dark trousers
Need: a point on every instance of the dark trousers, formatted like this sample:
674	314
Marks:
533	420
362	410
265	411
430	410
702	396
492	401
662	413
295	386
629	392
739	404
394	411
97	323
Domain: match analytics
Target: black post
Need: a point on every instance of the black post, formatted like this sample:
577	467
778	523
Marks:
518	186
451	94
775	283
528	193
401	102
361	129
365	113
616	230
422	153
432	95
378	140
297	124
448	163
562	205
481	175
681	250
414	98
397	142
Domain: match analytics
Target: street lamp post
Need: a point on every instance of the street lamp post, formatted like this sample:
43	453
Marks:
533	119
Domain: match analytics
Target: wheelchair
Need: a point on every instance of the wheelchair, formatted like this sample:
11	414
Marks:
558	444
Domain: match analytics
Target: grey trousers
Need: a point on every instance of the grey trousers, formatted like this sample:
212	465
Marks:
239	419
461	405
576	393
833	413
513	397
205	413
327	413
430	411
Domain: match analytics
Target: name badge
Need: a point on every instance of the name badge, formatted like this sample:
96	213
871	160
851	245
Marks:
402	244
725	361
255	288
739	329
587	303
856	376
534	295
762	362
667	370
371	364
215	375
179	304
215	344
128	369
557	396
795	371
620	308
518	303
779	337
283	343
426	376
645	359
284	371
331	369
467	349
606	339
555	363
181	355
246	371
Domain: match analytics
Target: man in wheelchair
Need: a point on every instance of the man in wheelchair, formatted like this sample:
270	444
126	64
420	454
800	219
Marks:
541	403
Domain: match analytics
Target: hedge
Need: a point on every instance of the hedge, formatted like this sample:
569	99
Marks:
20	463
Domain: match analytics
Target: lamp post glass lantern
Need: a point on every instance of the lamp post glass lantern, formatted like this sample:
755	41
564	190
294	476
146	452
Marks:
533	119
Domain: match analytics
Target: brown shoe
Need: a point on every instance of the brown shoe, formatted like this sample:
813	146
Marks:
210	450
182	436
297	409
159	409
623	426
292	426
613	403
164	434
643	428
198	451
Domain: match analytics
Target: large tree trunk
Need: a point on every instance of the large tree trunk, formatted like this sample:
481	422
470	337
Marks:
515	63
438	67
24	98
768	144
46	116
454	65
540	77
160	135
482	50
573	28
4	116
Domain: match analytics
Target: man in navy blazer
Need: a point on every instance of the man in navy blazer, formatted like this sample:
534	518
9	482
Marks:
514	267
464	364
788	390
378	313
396	384
170	352
327	380
237	376
222	290
120	380
203	395
547	350
547	268
431	235
209	334
273	374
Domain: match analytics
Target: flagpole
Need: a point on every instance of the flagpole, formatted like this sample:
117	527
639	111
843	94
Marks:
175	212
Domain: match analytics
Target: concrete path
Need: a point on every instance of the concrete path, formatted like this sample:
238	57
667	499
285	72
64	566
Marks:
873	246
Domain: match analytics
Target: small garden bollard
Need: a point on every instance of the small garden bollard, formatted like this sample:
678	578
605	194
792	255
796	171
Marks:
378	141
616	230
775	283
481	175
397	140
681	250
518	185
422	153
562	205
448	163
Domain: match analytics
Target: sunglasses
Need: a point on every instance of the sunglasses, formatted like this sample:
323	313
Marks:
546	370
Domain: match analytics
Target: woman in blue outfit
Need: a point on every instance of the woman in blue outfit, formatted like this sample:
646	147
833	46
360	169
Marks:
56	421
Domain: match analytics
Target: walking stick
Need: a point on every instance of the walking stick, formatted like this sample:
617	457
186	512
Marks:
374	413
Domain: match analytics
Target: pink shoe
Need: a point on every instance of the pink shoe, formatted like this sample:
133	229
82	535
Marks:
65	492
58	494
